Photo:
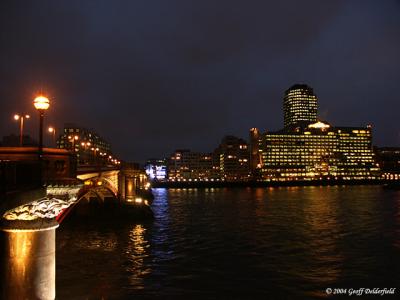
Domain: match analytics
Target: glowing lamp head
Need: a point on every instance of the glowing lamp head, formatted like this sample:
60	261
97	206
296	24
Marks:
16	117
51	129
41	103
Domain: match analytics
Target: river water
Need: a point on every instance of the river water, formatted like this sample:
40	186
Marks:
237	243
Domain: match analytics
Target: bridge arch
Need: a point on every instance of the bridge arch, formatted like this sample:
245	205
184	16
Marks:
100	188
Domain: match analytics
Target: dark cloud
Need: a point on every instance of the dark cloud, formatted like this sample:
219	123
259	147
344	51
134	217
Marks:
152	76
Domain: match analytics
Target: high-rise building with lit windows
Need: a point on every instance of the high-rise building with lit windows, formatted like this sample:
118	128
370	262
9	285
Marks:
308	149
299	106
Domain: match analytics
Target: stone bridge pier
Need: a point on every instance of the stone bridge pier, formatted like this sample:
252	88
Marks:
28	219
29	260
29	216
130	181
28	242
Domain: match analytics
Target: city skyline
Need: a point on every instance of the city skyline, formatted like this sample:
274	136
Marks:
140	74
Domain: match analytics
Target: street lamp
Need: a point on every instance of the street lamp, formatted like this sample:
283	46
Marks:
95	154
85	144
41	104
73	140
52	130
21	118
86	153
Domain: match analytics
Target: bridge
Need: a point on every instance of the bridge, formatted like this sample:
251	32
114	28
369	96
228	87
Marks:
37	195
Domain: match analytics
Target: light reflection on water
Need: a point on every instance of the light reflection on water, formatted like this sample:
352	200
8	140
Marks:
238	244
137	251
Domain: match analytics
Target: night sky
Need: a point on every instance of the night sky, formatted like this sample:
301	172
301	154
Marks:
153	76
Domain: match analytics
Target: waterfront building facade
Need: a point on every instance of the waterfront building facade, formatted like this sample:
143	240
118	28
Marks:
88	146
234	159
306	149
388	159
309	149
319	152
185	164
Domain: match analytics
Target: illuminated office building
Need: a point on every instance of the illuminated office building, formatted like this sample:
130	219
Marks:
229	161
88	146
319	152
185	165
299	106
234	159
307	149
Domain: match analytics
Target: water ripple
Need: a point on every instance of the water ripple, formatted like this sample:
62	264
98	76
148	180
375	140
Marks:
277	243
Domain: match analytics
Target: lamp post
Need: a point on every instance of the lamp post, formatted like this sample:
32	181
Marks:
52	130
73	140
95	154
86	153
21	118
85	145
41	104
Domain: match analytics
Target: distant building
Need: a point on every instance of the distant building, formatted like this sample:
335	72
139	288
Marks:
156	169
307	149
319	152
255	152
14	141
299	106
185	164
230	162
88	146
388	159
234	159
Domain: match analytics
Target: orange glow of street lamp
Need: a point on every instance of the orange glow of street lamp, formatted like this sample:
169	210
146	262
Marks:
21	118
17	117
41	103
73	140
52	130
